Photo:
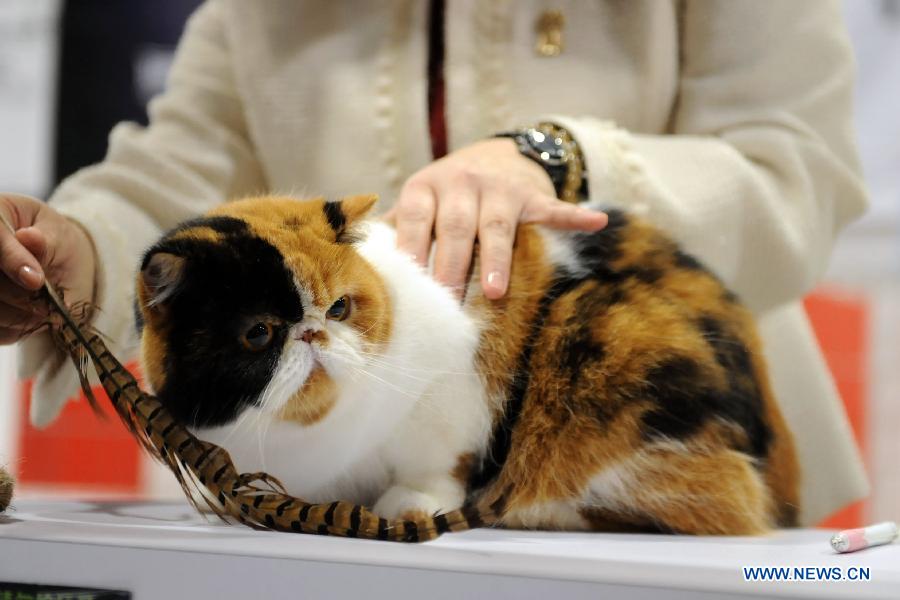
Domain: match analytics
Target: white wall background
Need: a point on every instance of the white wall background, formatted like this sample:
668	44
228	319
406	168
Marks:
28	46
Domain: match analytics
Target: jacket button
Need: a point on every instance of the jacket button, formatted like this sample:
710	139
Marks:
549	27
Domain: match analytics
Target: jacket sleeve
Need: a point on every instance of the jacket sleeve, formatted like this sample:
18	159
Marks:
195	153
758	171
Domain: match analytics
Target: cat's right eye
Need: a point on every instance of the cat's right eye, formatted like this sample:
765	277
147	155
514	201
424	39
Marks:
340	310
258	337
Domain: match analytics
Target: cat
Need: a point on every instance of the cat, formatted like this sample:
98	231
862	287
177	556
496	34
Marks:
617	386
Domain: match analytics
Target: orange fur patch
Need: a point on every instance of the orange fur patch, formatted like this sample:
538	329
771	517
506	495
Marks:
153	353
464	465
313	401
205	234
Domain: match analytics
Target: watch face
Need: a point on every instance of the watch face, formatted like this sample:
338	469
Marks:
549	149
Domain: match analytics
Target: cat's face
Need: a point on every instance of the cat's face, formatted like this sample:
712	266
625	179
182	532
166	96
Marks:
262	302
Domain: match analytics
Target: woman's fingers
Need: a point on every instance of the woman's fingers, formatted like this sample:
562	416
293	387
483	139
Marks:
414	217
9	336
13	317
563	215
17	263
35	241
17	319
44	244
455	227
496	234
482	190
15	260
15	295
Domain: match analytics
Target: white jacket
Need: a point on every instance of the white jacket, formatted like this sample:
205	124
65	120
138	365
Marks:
726	123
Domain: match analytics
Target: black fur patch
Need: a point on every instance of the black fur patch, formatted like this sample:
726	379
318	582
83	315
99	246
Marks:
596	250
685	400
227	286
686	261
683	403
335	216
744	403
578	347
338	222
648	275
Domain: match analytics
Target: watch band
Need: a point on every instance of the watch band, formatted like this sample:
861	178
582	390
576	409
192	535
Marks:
552	147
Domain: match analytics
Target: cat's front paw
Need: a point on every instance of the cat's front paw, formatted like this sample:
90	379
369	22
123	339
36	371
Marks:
401	502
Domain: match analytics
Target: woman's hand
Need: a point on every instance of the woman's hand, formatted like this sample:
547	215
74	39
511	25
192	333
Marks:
484	190
45	244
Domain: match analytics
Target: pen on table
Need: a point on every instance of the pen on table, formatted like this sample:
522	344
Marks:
851	540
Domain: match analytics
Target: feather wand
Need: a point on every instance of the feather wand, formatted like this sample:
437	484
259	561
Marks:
206	470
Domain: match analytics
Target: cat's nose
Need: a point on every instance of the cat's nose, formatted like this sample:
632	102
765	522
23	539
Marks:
309	335
308	332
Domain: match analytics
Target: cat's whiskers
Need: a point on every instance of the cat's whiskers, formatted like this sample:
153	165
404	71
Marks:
272	399
375	323
422	400
237	426
398	370
387	383
264	418
196	413
361	361
380	360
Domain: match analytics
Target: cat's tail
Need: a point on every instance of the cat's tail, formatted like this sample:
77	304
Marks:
206	472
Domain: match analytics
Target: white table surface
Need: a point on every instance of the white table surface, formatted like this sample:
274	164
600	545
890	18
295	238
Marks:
166	550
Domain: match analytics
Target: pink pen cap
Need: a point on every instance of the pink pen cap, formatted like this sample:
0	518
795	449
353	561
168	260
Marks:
851	540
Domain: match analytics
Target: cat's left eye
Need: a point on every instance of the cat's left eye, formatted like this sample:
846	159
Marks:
340	310
258	336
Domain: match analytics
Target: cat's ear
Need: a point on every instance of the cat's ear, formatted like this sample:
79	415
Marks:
357	207
345	213
161	276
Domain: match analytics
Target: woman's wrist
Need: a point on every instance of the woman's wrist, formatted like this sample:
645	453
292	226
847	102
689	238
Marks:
557	152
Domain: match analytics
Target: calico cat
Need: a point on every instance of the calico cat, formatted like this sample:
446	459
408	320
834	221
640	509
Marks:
617	386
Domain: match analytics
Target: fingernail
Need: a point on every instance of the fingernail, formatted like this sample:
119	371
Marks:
496	281
30	277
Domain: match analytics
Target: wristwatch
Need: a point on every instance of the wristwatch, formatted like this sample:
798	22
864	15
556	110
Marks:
552	147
